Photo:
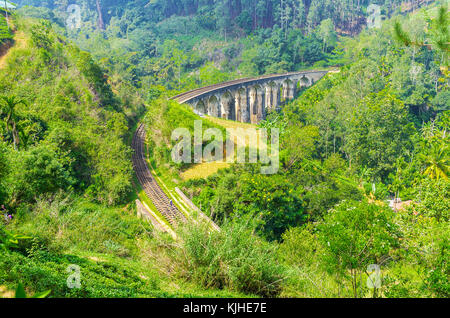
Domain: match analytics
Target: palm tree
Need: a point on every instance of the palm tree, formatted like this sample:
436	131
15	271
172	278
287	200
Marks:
440	33
438	36
8	109
436	162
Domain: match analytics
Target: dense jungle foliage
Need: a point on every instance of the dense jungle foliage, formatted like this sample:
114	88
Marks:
63	120
185	44
374	131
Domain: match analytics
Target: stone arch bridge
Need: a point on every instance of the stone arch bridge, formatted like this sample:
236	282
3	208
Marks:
249	99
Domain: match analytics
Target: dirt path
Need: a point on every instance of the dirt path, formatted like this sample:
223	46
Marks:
20	42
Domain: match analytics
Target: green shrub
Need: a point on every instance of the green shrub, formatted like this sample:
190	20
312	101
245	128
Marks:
44	271
233	258
433	198
64	223
355	235
5	33
305	255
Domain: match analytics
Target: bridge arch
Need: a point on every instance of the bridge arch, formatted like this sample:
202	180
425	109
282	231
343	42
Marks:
200	107
257	103
288	89
227	105
213	106
304	81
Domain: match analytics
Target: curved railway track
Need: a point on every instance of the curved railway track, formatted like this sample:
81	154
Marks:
181	98
148	182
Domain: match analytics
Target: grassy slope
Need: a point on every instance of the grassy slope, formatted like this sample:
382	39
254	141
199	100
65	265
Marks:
205	169
111	246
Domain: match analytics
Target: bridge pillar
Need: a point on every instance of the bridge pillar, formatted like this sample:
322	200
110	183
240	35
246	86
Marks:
285	90
237	105
240	102
293	89
218	108
268	97
207	105
276	96
253	105
261	105
224	105
245	113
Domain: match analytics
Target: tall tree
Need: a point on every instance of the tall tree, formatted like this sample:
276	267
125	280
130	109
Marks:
8	109
101	24
438	35
436	161
327	33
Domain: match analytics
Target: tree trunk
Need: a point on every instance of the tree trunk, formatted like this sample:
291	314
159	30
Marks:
15	136
101	24
355	284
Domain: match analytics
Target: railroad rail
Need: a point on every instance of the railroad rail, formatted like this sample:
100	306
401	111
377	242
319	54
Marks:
186	96
161	201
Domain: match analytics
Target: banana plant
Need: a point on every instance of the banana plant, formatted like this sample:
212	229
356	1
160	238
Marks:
20	293
8	239
8	108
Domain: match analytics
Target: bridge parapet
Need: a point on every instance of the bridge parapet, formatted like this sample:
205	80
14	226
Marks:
248	99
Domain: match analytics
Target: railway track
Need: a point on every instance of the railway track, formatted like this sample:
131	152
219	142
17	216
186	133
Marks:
161	201
181	98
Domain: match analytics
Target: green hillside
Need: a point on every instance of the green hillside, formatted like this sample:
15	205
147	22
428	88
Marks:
68	164
325	225
65	113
